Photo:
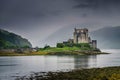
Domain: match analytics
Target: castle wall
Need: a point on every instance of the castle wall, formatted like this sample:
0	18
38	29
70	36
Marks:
81	36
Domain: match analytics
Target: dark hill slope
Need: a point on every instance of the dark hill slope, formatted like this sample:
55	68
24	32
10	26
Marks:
11	40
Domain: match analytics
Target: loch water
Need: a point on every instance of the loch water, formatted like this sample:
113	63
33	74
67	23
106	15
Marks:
10	67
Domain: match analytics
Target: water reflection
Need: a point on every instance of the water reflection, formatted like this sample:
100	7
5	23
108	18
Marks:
76	62
85	61
81	62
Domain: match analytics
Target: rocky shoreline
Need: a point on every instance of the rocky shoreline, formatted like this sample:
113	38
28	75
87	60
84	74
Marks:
77	53
107	73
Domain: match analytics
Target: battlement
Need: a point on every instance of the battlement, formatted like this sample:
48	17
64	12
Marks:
84	30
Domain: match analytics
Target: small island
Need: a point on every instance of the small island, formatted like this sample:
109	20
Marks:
81	44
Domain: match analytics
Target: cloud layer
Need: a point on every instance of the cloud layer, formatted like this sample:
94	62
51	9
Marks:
37	20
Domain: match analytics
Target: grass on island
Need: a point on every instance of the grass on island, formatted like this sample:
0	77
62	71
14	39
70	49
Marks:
66	47
108	73
66	50
61	49
55	49
69	49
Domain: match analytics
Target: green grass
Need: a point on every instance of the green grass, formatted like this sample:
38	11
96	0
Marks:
54	49
69	51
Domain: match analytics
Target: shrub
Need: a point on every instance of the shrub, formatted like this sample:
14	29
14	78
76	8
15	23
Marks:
60	45
69	45
77	45
46	47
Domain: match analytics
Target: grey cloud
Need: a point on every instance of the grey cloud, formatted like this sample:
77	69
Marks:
20	10
84	5
96	3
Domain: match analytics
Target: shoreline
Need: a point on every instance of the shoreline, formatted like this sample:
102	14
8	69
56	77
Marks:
104	73
52	53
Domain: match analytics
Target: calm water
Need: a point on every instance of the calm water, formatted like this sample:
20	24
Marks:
25	65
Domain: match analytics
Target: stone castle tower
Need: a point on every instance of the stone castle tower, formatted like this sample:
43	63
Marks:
81	36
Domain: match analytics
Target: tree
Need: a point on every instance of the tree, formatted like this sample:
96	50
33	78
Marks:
46	46
60	45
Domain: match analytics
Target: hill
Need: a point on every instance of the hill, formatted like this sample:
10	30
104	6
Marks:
12	40
108	37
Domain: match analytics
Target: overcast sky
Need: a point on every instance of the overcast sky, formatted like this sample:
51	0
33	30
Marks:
37	20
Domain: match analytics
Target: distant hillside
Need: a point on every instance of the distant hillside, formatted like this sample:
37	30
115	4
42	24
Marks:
11	40
108	37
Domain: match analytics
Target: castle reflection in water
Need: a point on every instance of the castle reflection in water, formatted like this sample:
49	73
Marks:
85	61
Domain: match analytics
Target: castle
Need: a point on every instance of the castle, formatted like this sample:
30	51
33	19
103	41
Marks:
81	36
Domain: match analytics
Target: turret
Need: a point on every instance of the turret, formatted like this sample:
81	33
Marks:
75	35
94	44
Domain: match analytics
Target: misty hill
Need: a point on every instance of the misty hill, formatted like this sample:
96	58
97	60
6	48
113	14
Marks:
108	37
11	40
